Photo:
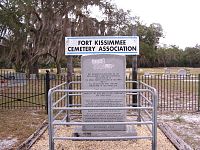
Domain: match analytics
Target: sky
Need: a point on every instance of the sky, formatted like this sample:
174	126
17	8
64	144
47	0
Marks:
180	19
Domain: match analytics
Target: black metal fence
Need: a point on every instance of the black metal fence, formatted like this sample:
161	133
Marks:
19	91
176	92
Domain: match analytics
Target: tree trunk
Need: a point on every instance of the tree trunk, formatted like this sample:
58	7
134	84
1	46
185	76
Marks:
18	67
69	69
69	58
33	68
58	66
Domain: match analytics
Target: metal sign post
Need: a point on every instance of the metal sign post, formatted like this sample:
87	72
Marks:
134	70
134	78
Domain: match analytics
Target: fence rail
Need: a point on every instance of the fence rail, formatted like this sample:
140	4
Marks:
61	113
18	91
175	92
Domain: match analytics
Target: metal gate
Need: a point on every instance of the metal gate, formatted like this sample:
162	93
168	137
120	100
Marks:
18	91
63	114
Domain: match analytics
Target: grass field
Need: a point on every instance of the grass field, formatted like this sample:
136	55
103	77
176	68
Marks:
174	70
173	91
158	70
29	94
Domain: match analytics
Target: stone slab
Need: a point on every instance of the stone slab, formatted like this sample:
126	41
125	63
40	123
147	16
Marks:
130	131
103	72
182	72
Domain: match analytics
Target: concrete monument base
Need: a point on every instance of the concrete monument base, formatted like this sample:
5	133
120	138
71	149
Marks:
130	131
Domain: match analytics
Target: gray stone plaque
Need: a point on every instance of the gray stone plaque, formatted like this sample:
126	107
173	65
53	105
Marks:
103	72
182	72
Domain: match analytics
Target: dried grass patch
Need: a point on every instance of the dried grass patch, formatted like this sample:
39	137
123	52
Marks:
184	124
19	124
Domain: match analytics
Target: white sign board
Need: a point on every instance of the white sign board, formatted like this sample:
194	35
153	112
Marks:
123	45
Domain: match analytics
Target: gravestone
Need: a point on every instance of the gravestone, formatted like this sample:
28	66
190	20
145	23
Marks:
33	76
52	76
146	74
103	72
17	78
21	77
182	72
167	71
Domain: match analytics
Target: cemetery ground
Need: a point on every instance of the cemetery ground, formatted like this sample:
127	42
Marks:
17	125
185	125
156	70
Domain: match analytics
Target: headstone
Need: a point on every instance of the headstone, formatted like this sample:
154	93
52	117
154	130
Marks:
19	75
182	72
103	72
187	71
52	76
167	71
33	76
17	78
147	74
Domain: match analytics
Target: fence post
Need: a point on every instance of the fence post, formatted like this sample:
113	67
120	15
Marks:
47	87
199	92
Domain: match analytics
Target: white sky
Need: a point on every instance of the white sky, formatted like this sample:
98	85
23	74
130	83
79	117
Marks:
180	19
